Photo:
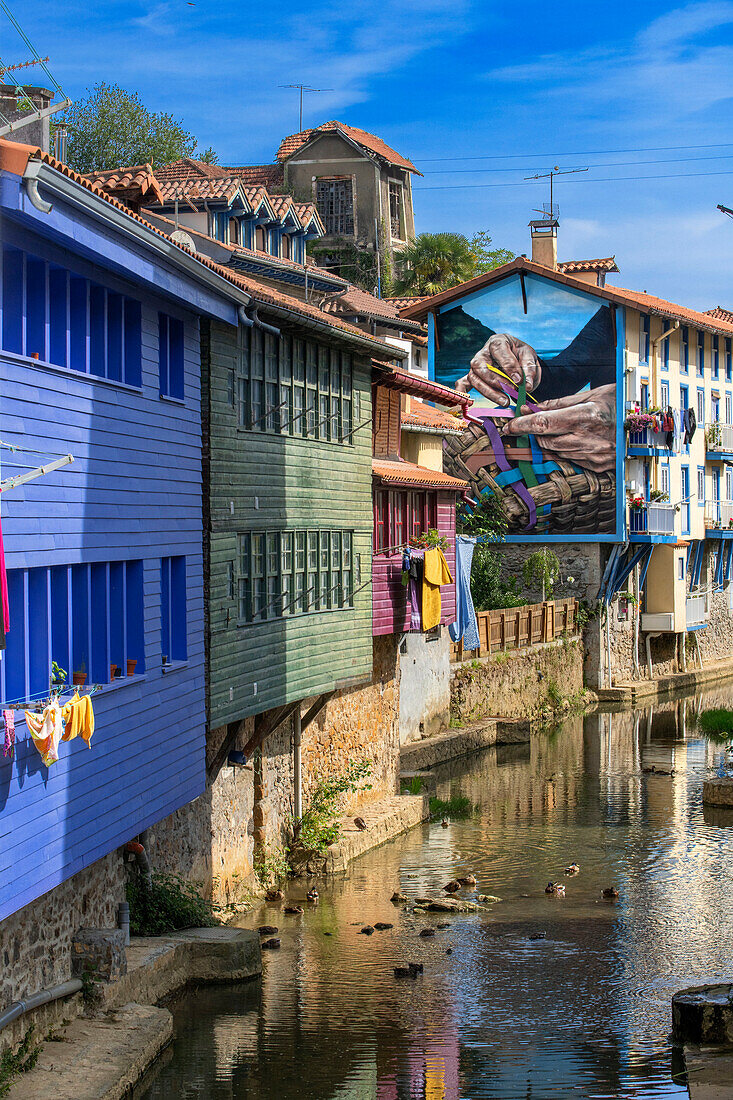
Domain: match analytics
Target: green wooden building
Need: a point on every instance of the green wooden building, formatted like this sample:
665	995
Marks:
287	486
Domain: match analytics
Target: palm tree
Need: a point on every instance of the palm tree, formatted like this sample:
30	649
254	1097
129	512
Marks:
432	262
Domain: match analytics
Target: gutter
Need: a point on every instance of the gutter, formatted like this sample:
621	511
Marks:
38	171
371	347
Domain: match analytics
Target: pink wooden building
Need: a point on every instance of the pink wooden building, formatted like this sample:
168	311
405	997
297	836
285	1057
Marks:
411	493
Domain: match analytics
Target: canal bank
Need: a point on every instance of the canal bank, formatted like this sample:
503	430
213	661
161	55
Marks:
560	995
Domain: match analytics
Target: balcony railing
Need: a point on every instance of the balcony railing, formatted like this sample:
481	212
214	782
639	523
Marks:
647	438
697	611
719	514
719	437
652	519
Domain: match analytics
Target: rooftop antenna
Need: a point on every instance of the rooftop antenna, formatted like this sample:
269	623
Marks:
303	88
6	125
552	211
726	210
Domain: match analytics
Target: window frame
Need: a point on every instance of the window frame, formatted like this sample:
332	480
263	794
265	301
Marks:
296	572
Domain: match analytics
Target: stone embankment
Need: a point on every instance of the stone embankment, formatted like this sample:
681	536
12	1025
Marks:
718	792
632	692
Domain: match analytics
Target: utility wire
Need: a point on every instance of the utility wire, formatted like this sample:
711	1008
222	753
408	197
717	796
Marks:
582	153
582	179
605	164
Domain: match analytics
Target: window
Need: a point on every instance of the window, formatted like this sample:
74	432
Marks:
294	387
701	407
729	408
715	345
286	250
69	321
644	396
173	610
700	485
87	618
381	521
715	409
233	231
680	568
401	516
395	210
260	239
644	329
728	360
684	349
335	202
664	354
170	356
665	480
286	573
665	394
700	354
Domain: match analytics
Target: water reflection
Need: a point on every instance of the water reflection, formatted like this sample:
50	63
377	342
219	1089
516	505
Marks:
583	1012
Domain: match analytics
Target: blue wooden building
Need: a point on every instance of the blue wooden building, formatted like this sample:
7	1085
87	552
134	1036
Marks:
99	358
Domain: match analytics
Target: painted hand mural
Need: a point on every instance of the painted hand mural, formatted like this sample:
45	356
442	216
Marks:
542	371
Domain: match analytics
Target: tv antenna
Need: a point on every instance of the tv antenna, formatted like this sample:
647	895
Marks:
303	88
726	210
552	211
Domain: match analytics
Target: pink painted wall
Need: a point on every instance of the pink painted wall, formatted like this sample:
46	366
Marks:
390	603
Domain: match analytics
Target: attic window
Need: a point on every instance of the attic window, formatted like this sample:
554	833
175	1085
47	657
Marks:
335	202
395	210
286	246
233	231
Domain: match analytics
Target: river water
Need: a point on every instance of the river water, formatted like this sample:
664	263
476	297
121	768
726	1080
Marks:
583	1012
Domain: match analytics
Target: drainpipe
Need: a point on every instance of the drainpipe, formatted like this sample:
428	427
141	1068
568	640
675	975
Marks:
649	655
46	996
297	771
141	858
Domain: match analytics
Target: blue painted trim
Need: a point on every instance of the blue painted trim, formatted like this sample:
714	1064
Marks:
693	629
635	536
719	456
718	533
648	452
431	347
534	537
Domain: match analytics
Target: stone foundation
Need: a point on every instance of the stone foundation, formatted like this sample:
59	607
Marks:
518	683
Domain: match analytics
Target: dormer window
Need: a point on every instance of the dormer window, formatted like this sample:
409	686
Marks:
286	247
260	239
233	231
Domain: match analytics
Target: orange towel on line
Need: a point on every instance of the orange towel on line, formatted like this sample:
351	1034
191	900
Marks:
78	714
435	573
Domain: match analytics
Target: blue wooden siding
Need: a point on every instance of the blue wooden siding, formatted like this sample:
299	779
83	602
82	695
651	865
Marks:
133	494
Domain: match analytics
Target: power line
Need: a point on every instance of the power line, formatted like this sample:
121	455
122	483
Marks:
605	164
582	153
586	179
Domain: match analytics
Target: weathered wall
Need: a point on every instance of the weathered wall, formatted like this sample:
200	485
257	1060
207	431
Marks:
35	942
424	685
519	683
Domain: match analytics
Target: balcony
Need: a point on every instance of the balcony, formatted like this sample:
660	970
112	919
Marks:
719	515
655	518
696	612
647	440
718	439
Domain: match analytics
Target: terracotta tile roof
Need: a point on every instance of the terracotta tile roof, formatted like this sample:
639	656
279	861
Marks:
720	314
307	213
363	304
202	188
397	378
188	168
293	142
406	473
403	303
646	303
258	175
14	158
281	204
137	185
605	263
256	196
421	415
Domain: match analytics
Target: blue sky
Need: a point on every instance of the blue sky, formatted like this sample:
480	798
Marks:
526	86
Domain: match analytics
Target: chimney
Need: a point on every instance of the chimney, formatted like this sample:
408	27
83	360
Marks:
16	106
544	242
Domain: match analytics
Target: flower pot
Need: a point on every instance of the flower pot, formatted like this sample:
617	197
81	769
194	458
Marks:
112	671
131	664
80	678
118	673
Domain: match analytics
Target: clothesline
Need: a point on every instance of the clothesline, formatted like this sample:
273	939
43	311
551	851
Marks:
42	696
32	450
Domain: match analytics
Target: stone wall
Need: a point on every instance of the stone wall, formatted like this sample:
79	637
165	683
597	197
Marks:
35	942
519	683
424	685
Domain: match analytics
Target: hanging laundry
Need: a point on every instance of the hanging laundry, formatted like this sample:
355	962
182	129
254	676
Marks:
466	625
78	716
9	723
690	421
405	578
435	574
416	572
46	729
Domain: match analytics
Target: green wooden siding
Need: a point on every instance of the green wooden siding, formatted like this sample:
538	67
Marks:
264	481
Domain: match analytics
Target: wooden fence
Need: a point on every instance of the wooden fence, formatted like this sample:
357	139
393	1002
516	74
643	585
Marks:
517	627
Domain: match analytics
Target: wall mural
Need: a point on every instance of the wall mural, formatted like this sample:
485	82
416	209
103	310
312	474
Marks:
544	385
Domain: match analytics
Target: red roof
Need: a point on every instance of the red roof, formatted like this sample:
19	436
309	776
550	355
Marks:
202	188
293	142
721	314
404	302
138	184
361	303
421	415
605	263
397	378
188	168
646	303
406	473
259	175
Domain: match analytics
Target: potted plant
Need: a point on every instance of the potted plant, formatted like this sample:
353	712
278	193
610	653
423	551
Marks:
112	671
636	503
714	435
658	495
58	677
80	674
131	665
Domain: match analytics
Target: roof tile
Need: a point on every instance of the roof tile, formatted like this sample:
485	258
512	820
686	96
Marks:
406	473
293	142
605	263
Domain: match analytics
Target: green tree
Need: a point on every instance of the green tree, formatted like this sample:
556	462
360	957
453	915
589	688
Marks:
488	258
488	521
432	262
111	127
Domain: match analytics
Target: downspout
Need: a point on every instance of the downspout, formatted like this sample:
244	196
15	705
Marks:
30	178
297	769
649	655
19	1008
141	858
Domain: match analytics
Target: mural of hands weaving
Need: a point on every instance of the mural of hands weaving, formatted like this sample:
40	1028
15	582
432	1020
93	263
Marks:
545	421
